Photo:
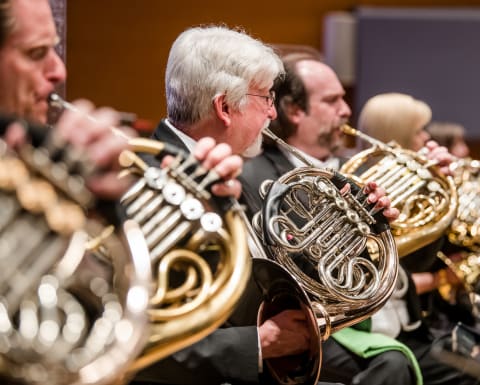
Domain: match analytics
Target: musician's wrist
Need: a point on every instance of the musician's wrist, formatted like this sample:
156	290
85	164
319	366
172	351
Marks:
440	278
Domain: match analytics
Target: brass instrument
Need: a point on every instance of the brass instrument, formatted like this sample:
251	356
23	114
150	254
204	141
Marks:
183	226
320	236
280	291
466	267
73	296
464	232
426	199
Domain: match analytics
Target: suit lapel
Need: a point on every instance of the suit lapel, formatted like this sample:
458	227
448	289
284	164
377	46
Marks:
279	162
165	134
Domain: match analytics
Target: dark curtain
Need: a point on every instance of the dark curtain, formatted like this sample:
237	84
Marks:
59	11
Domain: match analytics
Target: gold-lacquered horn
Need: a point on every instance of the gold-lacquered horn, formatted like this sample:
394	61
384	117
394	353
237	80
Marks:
426	198
191	293
207	294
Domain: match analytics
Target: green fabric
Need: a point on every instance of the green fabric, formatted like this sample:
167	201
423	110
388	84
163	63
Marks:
365	325
366	345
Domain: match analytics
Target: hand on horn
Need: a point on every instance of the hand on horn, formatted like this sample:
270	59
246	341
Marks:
89	130
376	195
284	334
440	155
219	157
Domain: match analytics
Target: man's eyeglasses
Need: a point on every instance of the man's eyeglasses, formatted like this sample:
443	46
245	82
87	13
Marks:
270	99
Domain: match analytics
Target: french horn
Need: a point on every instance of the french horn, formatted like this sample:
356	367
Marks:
464	233
425	197
197	247
73	294
464	230
332	244
466	266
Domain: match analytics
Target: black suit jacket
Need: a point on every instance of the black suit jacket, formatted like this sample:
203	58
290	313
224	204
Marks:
271	164
229	354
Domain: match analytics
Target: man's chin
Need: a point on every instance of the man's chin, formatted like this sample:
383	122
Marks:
254	149
37	115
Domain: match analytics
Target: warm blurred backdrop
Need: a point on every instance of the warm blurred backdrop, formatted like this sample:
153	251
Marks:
117	49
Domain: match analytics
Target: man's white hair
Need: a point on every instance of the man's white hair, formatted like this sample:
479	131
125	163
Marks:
205	62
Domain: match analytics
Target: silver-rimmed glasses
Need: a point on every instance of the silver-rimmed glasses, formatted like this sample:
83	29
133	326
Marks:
270	99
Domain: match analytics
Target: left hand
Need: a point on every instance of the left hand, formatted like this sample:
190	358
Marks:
219	157
15	135
90	130
377	195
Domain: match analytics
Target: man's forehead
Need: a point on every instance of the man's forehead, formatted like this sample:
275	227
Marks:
33	23
319	78
306	66
27	12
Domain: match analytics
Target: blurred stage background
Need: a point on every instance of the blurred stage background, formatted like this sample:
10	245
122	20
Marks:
116	50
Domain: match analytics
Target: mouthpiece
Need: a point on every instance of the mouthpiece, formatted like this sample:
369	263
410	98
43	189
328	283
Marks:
54	99
57	102
349	136
349	130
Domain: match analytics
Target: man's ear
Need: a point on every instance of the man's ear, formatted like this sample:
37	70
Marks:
293	112
222	109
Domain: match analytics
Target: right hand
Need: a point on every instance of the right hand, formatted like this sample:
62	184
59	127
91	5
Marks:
15	135
284	334
89	130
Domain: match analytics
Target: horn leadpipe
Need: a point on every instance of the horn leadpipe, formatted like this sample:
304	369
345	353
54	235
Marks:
56	101
294	151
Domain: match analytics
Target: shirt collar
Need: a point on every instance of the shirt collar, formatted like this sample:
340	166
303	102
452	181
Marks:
187	141
332	162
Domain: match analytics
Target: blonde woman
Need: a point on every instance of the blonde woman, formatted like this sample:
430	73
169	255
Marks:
402	118
398	117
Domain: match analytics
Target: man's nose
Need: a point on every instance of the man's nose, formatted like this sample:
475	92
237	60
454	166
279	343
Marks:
345	110
55	68
426	136
272	112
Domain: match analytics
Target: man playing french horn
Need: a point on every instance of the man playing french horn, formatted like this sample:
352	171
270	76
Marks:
311	111
232	103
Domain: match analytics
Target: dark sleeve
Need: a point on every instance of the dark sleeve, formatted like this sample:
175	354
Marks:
414	307
425	259
229	354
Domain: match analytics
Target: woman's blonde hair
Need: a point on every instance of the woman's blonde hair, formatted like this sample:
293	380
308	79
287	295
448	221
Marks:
394	116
